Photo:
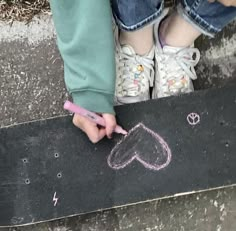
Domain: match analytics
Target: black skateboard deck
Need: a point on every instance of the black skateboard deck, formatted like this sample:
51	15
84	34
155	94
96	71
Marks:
177	145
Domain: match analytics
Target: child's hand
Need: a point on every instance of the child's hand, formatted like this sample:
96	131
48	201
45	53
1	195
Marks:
93	131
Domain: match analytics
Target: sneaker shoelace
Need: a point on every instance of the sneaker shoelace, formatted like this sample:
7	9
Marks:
177	69
132	68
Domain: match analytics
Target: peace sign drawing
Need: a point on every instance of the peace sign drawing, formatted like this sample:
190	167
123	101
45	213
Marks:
193	118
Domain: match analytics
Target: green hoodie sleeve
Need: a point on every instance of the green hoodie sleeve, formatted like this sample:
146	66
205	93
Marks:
86	44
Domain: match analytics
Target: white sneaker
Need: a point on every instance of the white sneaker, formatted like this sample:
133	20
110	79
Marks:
134	75
174	68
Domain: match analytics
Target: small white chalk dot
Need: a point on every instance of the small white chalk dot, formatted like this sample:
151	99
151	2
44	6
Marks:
56	155
25	160
59	175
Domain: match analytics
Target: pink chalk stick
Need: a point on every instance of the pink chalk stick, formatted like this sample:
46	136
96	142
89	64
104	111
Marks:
90	115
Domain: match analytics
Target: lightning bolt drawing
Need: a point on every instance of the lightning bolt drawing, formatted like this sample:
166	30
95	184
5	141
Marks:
55	199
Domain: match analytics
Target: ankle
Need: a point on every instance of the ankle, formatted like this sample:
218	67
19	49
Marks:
141	41
177	32
161	32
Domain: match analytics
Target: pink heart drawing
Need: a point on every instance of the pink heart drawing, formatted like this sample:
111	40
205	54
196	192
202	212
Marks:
143	145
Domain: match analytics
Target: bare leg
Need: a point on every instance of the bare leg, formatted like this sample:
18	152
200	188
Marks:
141	40
177	32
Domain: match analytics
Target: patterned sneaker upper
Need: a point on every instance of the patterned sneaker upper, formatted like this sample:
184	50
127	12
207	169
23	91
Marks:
174	69
134	75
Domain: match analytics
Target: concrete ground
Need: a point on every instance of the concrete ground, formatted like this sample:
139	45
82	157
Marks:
32	88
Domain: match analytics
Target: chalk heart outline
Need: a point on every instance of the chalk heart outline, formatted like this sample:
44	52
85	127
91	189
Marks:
118	160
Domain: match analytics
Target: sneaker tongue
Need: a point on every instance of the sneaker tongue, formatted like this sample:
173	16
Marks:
126	49
169	49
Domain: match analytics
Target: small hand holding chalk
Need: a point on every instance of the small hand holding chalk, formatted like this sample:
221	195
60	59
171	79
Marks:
94	132
88	122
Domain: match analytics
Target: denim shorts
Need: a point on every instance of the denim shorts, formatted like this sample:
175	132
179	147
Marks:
209	18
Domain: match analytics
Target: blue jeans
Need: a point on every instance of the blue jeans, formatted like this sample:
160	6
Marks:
209	18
